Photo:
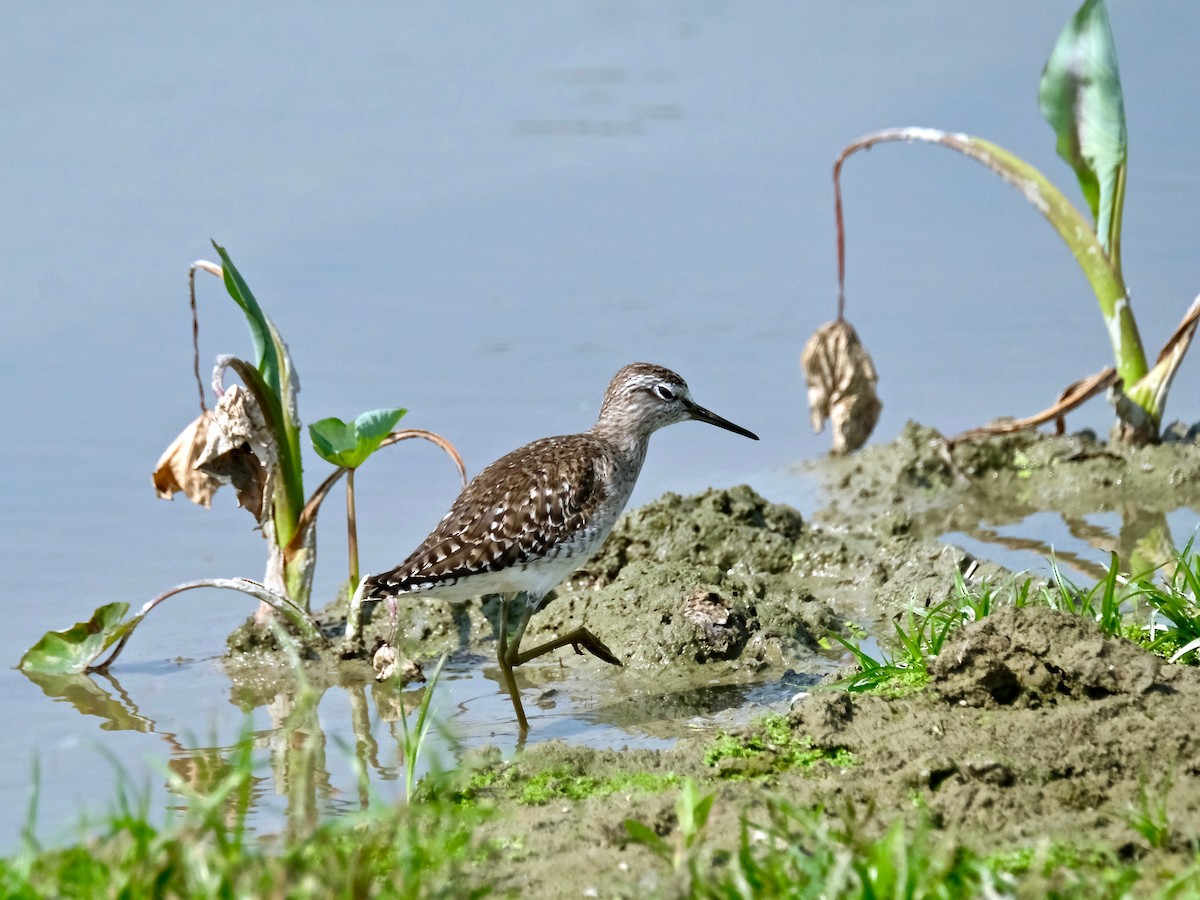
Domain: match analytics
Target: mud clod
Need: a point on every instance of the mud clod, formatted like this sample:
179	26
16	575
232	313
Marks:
1040	657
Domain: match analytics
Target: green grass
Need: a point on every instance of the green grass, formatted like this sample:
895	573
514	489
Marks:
432	846
561	783
770	746
787	851
1162	616
427	849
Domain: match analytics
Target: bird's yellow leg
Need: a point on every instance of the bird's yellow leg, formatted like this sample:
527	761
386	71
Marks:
579	638
503	655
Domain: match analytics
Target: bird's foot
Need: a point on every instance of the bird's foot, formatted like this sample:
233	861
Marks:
585	640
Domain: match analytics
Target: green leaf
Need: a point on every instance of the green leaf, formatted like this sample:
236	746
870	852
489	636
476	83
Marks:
73	650
274	363
266	357
1080	96
349	445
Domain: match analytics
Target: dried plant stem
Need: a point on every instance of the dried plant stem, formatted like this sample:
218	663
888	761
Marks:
212	269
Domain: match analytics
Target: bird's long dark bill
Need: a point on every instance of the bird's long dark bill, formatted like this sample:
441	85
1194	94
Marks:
700	414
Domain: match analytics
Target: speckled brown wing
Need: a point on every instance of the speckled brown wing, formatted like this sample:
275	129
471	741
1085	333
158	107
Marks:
536	502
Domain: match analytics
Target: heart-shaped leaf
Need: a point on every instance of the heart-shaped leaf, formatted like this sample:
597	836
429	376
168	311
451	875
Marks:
73	650
349	444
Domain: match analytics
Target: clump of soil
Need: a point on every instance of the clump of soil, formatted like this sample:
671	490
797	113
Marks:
1035	728
931	487
722	587
1036	657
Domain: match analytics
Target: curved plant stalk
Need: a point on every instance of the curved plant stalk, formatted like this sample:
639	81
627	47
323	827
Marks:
211	269
75	650
1068	221
288	608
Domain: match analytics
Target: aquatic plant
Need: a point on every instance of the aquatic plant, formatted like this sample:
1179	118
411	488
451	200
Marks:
415	734
250	440
347	446
1080	96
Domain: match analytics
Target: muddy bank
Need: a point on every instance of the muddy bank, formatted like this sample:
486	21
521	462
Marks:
1035	731
929	487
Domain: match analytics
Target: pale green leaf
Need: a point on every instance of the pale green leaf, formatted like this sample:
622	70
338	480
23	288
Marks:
266	357
1080	96
644	835
73	650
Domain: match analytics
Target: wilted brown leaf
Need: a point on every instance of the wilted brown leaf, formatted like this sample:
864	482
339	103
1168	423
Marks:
176	470
841	385
241	451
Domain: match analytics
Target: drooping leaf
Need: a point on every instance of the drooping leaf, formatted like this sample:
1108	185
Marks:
841	385
349	444
1080	96
73	650
241	450
176	470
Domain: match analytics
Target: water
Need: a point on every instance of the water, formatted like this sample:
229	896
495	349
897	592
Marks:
480	214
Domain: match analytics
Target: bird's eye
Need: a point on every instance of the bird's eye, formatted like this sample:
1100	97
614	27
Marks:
663	392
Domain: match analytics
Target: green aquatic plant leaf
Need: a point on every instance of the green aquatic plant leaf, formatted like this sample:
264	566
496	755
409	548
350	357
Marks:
76	648
1080	96
262	330
348	444
274	364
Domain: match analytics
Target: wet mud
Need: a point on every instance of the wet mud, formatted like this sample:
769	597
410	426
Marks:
1034	727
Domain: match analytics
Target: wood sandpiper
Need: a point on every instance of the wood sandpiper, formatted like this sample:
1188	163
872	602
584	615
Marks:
533	517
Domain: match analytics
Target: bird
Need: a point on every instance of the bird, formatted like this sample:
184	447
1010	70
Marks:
534	516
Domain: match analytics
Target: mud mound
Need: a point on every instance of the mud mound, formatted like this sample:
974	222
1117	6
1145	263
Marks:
732	528
670	615
1035	726
1065	759
1040	657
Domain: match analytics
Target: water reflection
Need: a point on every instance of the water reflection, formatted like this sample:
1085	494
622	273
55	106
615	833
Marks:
1143	542
327	748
